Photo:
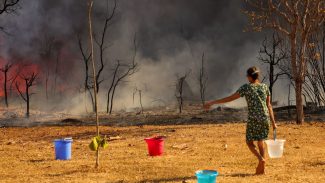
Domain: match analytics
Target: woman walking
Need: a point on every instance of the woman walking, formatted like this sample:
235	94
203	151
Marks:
260	113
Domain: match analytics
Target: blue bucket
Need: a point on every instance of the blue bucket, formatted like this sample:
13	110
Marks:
206	176
63	148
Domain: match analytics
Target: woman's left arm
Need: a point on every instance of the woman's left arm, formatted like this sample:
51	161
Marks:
221	101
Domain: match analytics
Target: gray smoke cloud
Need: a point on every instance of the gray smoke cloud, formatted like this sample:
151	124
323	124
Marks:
171	37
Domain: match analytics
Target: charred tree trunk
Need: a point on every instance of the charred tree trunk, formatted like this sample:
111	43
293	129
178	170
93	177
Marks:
5	71
299	103
289	103
202	81
112	98
179	92
140	100
271	79
27	98
5	89
111	87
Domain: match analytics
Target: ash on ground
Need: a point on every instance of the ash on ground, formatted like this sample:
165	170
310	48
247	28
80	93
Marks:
192	114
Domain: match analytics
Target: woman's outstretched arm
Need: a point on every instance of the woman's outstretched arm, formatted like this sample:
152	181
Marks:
269	106
221	101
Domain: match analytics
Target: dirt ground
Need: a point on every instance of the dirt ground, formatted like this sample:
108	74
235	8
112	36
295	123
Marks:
27	154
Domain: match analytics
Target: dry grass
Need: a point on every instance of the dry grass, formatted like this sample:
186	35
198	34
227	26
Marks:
27	155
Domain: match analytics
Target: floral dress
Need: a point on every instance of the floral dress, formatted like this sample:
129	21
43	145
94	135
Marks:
258	114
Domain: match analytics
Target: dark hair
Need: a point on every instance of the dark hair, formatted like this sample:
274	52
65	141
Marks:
253	72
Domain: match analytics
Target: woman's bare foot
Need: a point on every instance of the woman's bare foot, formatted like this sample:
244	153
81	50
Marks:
260	170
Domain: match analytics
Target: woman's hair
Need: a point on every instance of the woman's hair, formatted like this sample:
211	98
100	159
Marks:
253	72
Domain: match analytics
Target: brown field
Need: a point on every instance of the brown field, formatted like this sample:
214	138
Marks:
27	154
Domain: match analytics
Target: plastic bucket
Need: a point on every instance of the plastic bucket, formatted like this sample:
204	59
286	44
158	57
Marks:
275	148
206	176
63	148
155	146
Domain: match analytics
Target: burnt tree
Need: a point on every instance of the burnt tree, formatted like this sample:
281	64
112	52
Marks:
5	71
86	61
29	82
102	45
100	41
179	92
121	72
203	79
272	54
139	92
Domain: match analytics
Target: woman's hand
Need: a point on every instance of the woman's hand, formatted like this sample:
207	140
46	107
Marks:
274	125
233	97
207	106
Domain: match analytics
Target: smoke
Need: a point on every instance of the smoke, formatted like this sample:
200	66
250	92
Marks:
171	37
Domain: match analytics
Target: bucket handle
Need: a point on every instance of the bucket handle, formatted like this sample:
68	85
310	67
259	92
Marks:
274	134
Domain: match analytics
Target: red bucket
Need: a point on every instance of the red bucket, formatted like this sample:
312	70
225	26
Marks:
155	146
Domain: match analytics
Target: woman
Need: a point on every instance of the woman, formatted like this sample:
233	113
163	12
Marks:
260	113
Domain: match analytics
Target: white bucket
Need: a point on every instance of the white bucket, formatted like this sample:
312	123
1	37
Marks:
275	148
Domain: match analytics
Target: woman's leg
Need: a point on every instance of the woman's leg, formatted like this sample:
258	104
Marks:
253	149
261	148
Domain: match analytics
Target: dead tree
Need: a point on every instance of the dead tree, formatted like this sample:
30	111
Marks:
289	101
5	71
29	82
121	72
139	92
296	21
203	79
102	45
272	53
119	77
86	59
117	67
179	92
140	100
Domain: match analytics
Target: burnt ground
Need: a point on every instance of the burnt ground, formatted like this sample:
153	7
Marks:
192	114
